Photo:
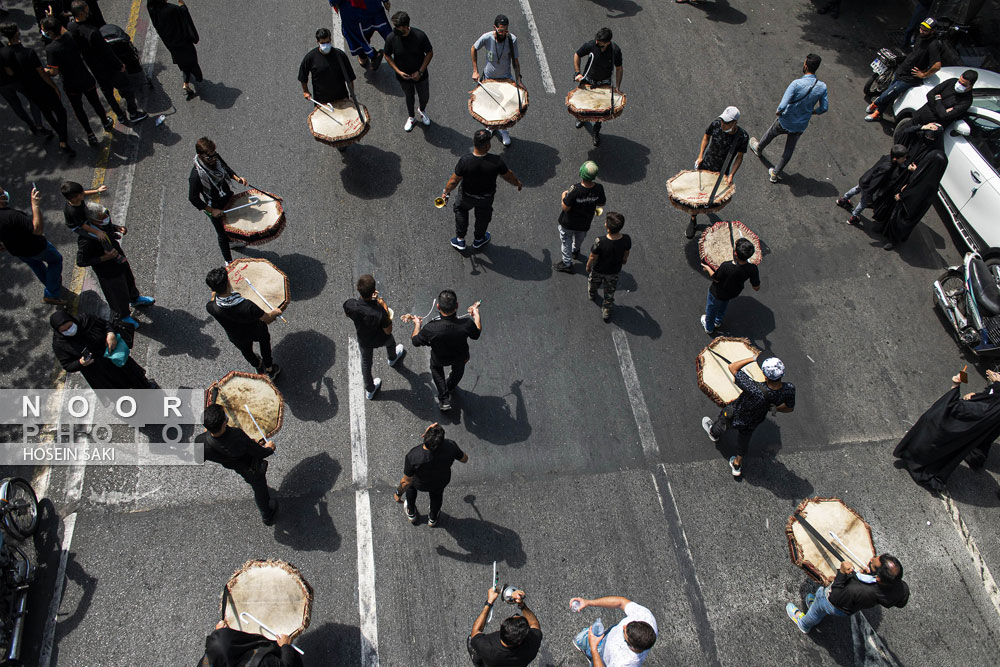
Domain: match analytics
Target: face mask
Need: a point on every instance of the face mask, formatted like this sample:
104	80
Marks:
959	88
6	197
71	331
325	48
398	32
46	35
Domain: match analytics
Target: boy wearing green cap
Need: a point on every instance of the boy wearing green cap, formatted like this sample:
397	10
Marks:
579	205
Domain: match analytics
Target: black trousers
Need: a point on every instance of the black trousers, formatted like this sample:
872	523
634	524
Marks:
76	101
484	214
109	83
367	357
245	346
261	494
422	89
445	387
10	93
743	435
220	232
120	290
55	114
436	495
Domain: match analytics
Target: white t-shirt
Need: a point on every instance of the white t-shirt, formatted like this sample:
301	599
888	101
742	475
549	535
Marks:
616	652
498	55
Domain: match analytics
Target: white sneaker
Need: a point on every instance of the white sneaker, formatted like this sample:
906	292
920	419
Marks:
505	137
755	146
400	353
424	118
371	394
704	324
773	175
409	125
706	423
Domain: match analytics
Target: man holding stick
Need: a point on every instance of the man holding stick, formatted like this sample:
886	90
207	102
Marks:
209	190
517	641
373	321
501	58
605	56
243	321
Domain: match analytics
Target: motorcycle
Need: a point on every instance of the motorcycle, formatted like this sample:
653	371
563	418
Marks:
19	519
969	298
883	70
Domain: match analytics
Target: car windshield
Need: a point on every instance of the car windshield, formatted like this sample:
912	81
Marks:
984	134
987	98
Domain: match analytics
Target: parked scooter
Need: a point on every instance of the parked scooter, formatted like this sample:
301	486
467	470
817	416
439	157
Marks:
19	518
969	297
883	70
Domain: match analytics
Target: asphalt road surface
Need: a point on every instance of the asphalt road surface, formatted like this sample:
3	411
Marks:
588	473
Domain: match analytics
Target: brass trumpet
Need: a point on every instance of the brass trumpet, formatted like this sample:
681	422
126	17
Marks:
599	211
439	202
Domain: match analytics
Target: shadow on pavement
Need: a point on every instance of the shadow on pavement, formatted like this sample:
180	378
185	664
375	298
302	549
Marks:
511	262
533	162
370	172
481	541
833	634
218	94
636	320
621	8
180	332
331	644
748	317
761	466
305	358
621	160
303	521
720	11
306	275
442	136
490	418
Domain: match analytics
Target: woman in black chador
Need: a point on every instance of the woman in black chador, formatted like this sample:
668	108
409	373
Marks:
915	198
176	29
954	429
79	344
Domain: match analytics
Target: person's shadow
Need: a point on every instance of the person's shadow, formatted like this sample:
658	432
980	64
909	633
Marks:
622	8
331	644
306	275
218	94
622	160
442	136
511	262
761	466
308	355
533	162
720	11
419	398
370	172
490	418
180	332
303	521
481	541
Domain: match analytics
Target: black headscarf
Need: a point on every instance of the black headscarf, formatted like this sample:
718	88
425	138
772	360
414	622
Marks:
918	195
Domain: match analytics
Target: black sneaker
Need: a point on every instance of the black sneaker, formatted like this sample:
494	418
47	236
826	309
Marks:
92	140
445	405
107	123
274	371
432	521
479	243
138	118
579	124
411	513
269	517
562	268
597	138
576	254
854	220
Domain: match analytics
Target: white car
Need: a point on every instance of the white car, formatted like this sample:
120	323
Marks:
970	188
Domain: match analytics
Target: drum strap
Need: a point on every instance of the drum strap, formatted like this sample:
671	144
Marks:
347	84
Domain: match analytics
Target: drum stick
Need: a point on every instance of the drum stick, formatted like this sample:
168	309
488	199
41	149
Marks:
496	582
492	97
722	172
252	201
819	538
719	356
254	420
263	298
264	627
326	107
857	561
350	91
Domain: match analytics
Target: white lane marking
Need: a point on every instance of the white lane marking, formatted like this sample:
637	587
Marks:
989	583
338	35
635	398
543	63
49	633
359	473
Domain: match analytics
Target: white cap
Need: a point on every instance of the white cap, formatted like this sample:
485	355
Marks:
730	114
773	368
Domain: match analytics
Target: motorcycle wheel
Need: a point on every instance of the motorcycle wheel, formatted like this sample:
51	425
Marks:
870	86
20	506
900	126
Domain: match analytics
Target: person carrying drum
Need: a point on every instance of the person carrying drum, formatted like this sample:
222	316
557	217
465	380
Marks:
881	583
749	410
427	467
232	448
604	56
501	56
516	642
226	646
724	140
209	191
331	72
243	320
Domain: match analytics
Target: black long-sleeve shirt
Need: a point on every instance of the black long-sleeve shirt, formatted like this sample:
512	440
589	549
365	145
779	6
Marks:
234	449
202	199
850	594
937	110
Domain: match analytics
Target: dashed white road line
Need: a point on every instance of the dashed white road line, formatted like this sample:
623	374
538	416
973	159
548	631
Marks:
338	36
359	474
49	632
635	397
989	583
543	63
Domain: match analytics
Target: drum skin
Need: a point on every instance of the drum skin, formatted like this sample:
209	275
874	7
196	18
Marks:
716	247
257	224
238	389
274	592
485	110
350	128
265	276
714	377
593	103
689	190
826	514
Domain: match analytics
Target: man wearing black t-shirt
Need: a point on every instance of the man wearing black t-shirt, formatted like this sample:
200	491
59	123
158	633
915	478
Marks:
923	61
23	237
516	643
727	283
64	59
604	55
607	257
327	66
477	173
373	321
427	467
448	337
232	448
409	52
243	320
579	205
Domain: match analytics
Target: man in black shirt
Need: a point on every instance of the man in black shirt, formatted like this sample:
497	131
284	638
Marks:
409	52
515	644
107	68
948	101
243	320
327	66
477	172
65	60
232	448
24	238
10	88
448	337
923	61
373	321
604	56
209	191
607	257
723	138
579	205
23	64
881	583
727	283
427	467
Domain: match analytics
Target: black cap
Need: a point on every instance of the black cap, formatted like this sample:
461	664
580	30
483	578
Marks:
501	20
899	150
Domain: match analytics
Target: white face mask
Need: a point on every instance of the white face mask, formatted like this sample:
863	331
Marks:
959	88
325	48
71	331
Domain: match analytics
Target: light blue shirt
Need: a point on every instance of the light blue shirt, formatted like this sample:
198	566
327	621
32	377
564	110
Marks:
798	106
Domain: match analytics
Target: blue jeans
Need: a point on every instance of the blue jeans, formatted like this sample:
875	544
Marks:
582	642
47	265
888	96
863	204
570	240
819	609
715	310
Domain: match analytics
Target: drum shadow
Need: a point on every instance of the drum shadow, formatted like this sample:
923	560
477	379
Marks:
180	332
804	186
748	317
481	541
303	521
622	160
306	275
331	644
636	320
534	163
490	418
442	136
720	11
511	262
305	357
370	172
218	94
623	8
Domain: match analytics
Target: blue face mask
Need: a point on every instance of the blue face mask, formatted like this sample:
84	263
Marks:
6	197
325	48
